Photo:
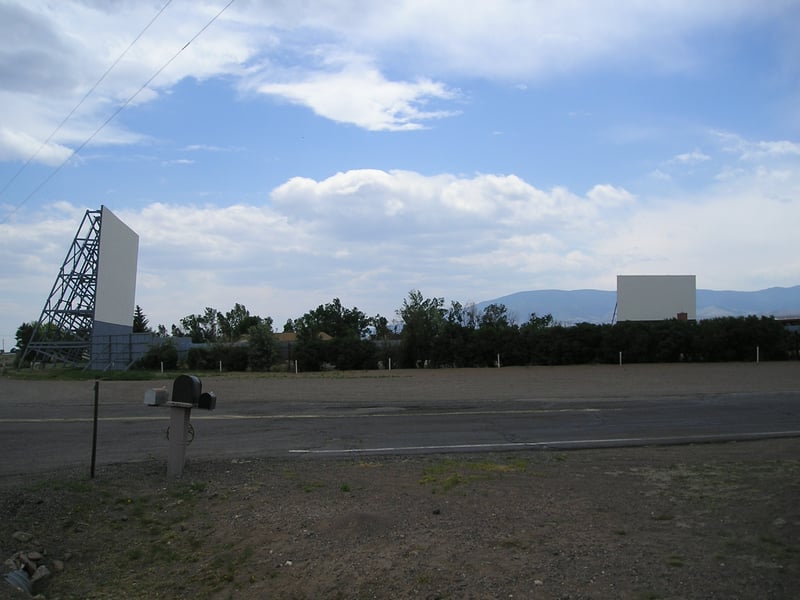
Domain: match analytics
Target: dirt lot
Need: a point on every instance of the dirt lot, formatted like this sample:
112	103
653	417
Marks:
703	521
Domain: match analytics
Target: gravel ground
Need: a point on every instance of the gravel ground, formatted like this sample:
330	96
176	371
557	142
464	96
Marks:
696	521
706	521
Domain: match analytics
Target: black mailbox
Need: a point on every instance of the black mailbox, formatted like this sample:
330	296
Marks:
187	389
208	401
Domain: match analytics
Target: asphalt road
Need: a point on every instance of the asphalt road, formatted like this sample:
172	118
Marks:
48	425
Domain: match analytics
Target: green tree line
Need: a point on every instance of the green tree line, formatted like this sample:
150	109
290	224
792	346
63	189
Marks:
431	334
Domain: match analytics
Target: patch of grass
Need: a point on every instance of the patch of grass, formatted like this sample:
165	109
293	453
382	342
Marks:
313	486
452	481
61	373
448	473
345	487
75	486
514	544
662	517
187	491
674	560
135	553
778	549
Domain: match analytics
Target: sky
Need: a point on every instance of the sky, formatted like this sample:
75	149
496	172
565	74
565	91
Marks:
280	154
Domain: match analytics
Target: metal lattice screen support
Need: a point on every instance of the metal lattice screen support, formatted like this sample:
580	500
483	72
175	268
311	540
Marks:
64	330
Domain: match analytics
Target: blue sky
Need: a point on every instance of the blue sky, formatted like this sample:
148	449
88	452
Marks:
297	152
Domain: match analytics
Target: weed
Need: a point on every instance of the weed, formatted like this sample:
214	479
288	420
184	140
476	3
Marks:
514	544
450	473
344	487
674	560
452	481
135	553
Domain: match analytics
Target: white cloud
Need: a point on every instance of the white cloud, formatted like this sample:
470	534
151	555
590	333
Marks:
369	236
16	144
690	158
748	150
335	58
361	95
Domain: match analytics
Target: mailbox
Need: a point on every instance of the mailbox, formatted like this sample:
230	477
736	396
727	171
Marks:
186	389
208	401
187	393
156	397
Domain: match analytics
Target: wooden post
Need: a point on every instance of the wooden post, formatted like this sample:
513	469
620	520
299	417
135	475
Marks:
179	413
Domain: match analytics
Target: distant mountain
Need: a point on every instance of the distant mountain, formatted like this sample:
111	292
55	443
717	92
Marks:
597	306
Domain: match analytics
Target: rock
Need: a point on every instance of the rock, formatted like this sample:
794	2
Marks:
58	565
22	536
36	556
41	573
29	565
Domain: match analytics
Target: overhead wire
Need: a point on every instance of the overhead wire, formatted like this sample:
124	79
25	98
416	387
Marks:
116	112
82	100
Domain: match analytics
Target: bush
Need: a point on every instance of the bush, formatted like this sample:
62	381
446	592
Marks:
165	353
233	358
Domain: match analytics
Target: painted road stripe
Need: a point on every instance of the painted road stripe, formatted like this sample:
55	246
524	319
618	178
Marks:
632	440
381	415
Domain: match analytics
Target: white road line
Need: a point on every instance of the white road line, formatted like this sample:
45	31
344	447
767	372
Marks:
234	417
651	440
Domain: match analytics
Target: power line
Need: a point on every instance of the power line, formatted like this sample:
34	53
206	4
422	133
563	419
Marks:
115	113
82	100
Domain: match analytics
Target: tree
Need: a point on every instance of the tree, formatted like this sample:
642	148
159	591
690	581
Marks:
202	328
139	321
24	333
454	345
422	321
336	320
347	326
164	354
497	335
236	322
262	347
536	337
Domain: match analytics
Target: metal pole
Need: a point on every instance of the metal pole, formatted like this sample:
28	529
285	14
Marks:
94	432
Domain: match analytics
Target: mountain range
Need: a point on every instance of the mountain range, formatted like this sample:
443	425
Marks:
597	306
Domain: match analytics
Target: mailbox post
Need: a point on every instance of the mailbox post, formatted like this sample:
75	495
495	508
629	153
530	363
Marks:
179	413
186	394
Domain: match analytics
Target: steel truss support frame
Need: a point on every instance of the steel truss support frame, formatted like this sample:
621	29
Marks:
64	330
